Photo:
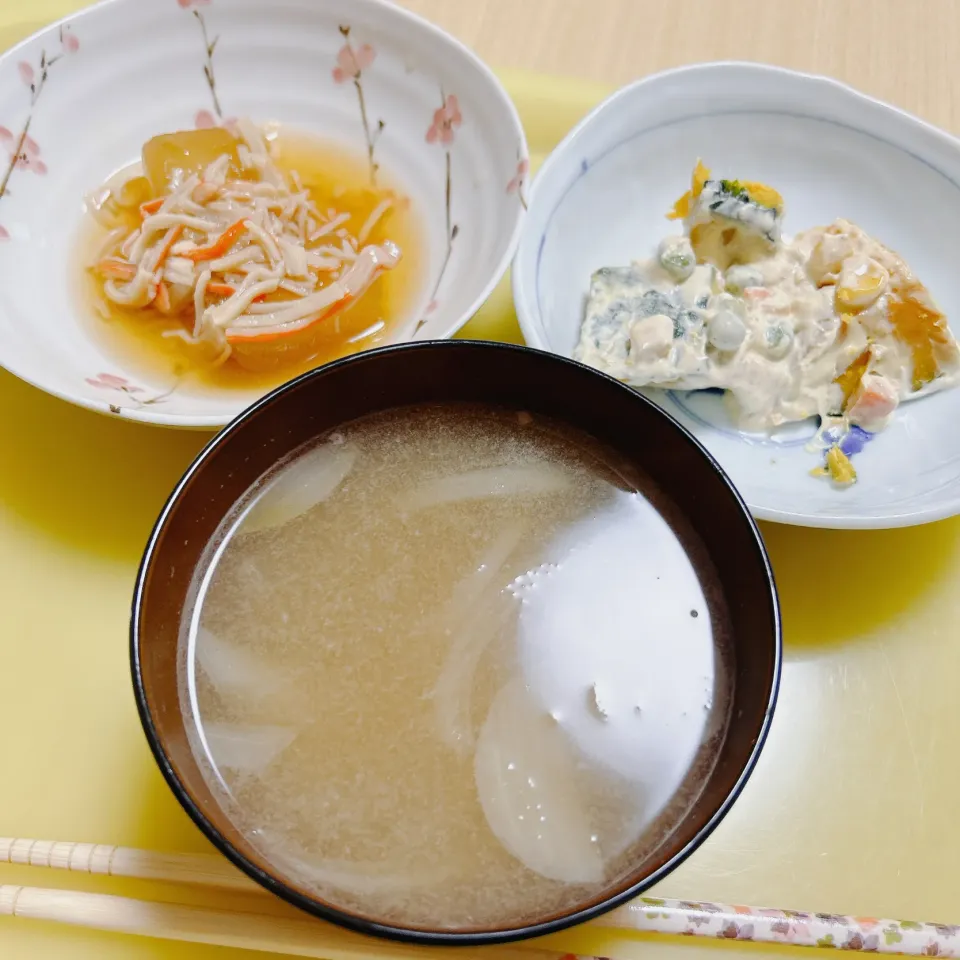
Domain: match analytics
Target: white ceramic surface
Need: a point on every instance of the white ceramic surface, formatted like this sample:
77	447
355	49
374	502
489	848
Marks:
601	197
78	100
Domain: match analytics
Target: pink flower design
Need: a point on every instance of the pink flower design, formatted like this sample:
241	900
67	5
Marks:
4	232
29	158
517	182
110	381
32	163
23	151
446	119
352	61
187	4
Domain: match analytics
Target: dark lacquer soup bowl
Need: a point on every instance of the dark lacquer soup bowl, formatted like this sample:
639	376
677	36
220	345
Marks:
654	461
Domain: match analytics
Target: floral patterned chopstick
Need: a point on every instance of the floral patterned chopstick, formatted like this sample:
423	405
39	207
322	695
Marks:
906	938
645	914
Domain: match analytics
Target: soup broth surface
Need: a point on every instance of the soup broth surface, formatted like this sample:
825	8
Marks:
451	666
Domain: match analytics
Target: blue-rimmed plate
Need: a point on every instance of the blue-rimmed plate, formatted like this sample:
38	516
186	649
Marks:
600	200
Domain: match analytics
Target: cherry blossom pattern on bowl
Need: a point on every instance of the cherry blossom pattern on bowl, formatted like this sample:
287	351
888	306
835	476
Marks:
364	73
23	151
600	200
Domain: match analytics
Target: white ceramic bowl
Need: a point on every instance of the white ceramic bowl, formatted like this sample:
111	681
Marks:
601	197
122	71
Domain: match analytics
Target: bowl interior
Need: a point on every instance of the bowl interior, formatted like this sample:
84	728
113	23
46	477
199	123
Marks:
437	120
601	200
456	371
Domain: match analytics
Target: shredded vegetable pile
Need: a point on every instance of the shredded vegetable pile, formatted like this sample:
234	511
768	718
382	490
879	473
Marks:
235	243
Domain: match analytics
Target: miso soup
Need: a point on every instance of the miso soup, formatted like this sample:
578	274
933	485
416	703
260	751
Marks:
455	666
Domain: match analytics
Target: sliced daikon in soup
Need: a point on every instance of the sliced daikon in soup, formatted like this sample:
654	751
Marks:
526	480
617	644
299	488
527	781
363	878
477	611
246	748
234	670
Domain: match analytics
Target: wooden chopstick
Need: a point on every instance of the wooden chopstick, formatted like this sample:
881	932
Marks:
199	869
251	931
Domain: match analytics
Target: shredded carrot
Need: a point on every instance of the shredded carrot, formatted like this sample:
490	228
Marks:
150	207
117	269
168	246
221	245
162	299
267	336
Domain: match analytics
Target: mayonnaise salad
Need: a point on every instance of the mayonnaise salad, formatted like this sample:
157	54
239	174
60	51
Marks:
828	324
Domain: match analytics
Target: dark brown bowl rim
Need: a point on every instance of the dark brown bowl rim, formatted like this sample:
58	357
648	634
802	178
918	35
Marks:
342	918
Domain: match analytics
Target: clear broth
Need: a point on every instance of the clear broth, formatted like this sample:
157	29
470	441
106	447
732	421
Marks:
335	177
353	675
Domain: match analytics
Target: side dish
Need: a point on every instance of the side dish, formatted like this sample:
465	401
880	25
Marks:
829	324
213	244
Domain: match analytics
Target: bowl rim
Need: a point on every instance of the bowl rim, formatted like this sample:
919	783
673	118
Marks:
156	417
323	909
525	263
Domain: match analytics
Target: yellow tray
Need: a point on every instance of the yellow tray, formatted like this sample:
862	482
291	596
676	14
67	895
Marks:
851	808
